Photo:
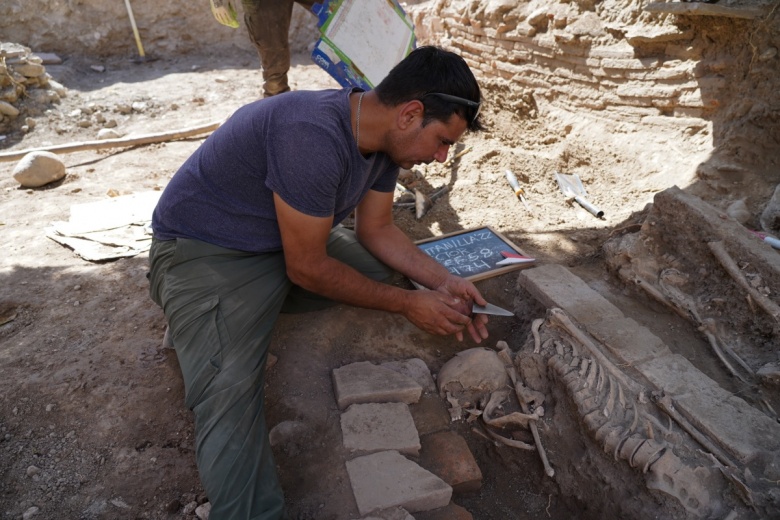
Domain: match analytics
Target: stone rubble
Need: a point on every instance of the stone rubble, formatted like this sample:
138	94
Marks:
380	433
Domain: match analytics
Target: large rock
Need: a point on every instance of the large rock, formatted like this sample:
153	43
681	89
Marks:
38	169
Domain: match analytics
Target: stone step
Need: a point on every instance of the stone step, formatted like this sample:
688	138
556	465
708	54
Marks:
701	400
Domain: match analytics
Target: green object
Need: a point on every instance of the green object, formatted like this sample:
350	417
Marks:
224	12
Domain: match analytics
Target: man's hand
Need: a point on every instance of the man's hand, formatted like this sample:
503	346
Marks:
224	12
464	294
436	313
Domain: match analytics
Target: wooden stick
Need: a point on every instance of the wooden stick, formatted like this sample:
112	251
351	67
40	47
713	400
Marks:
456	156
114	143
731	267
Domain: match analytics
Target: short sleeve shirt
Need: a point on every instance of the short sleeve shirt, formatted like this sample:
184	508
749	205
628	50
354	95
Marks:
299	145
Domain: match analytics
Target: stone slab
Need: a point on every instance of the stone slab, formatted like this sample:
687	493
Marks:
628	341
379	427
387	479
447	455
737	427
555	286
396	513
416	369
365	382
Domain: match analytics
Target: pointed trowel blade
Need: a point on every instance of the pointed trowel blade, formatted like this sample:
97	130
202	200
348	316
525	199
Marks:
490	309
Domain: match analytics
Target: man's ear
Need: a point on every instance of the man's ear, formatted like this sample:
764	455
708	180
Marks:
409	113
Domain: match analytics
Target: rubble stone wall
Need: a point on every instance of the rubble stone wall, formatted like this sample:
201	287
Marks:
616	60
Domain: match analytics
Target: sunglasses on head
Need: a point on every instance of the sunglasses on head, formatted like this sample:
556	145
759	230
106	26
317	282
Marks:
474	105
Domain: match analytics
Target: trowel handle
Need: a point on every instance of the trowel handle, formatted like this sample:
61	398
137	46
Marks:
588	206
510	177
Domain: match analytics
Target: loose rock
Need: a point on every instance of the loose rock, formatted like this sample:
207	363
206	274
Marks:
38	169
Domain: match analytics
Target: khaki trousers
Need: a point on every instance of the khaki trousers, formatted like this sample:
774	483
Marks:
268	23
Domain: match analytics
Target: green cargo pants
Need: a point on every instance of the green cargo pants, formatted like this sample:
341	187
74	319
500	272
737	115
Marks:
221	306
268	23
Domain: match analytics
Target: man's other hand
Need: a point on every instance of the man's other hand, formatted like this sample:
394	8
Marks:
467	294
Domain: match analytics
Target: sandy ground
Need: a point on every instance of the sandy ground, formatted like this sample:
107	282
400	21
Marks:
92	419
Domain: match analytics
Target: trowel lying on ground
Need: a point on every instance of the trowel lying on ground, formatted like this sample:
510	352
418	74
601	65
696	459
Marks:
572	188
422	202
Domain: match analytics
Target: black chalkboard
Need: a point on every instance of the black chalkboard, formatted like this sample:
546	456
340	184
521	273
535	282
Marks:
472	254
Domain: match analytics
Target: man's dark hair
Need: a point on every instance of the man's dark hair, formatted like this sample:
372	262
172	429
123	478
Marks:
427	73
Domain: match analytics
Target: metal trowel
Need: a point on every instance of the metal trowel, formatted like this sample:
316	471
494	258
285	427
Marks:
572	188
490	309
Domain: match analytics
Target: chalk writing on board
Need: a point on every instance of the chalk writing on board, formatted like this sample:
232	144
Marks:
468	254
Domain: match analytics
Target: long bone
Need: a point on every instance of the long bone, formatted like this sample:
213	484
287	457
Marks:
535	331
522	397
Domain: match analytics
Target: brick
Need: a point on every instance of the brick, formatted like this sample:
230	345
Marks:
447	455
387	479
365	382
630	64
379	427
622	50
430	415
648	90
451	511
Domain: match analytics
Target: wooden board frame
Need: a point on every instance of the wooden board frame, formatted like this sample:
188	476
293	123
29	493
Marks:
494	271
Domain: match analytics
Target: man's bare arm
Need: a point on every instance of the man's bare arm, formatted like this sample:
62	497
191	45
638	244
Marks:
304	239
378	233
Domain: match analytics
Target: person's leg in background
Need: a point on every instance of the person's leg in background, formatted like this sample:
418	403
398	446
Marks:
221	306
268	24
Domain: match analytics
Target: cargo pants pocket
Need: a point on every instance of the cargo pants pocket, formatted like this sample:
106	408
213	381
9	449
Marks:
200	340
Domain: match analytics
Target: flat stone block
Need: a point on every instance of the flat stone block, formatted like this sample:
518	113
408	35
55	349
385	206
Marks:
447	455
555	286
365	382
387	479
628	340
737	427
416	369
380	427
396	513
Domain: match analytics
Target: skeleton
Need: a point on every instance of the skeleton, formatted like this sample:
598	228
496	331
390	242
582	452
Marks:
615	413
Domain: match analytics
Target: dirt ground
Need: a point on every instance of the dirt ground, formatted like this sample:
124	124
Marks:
92	419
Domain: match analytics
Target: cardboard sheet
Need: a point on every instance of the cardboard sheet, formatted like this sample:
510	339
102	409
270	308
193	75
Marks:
108	229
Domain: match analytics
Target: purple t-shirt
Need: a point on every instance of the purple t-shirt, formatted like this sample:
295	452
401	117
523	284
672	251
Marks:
299	145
